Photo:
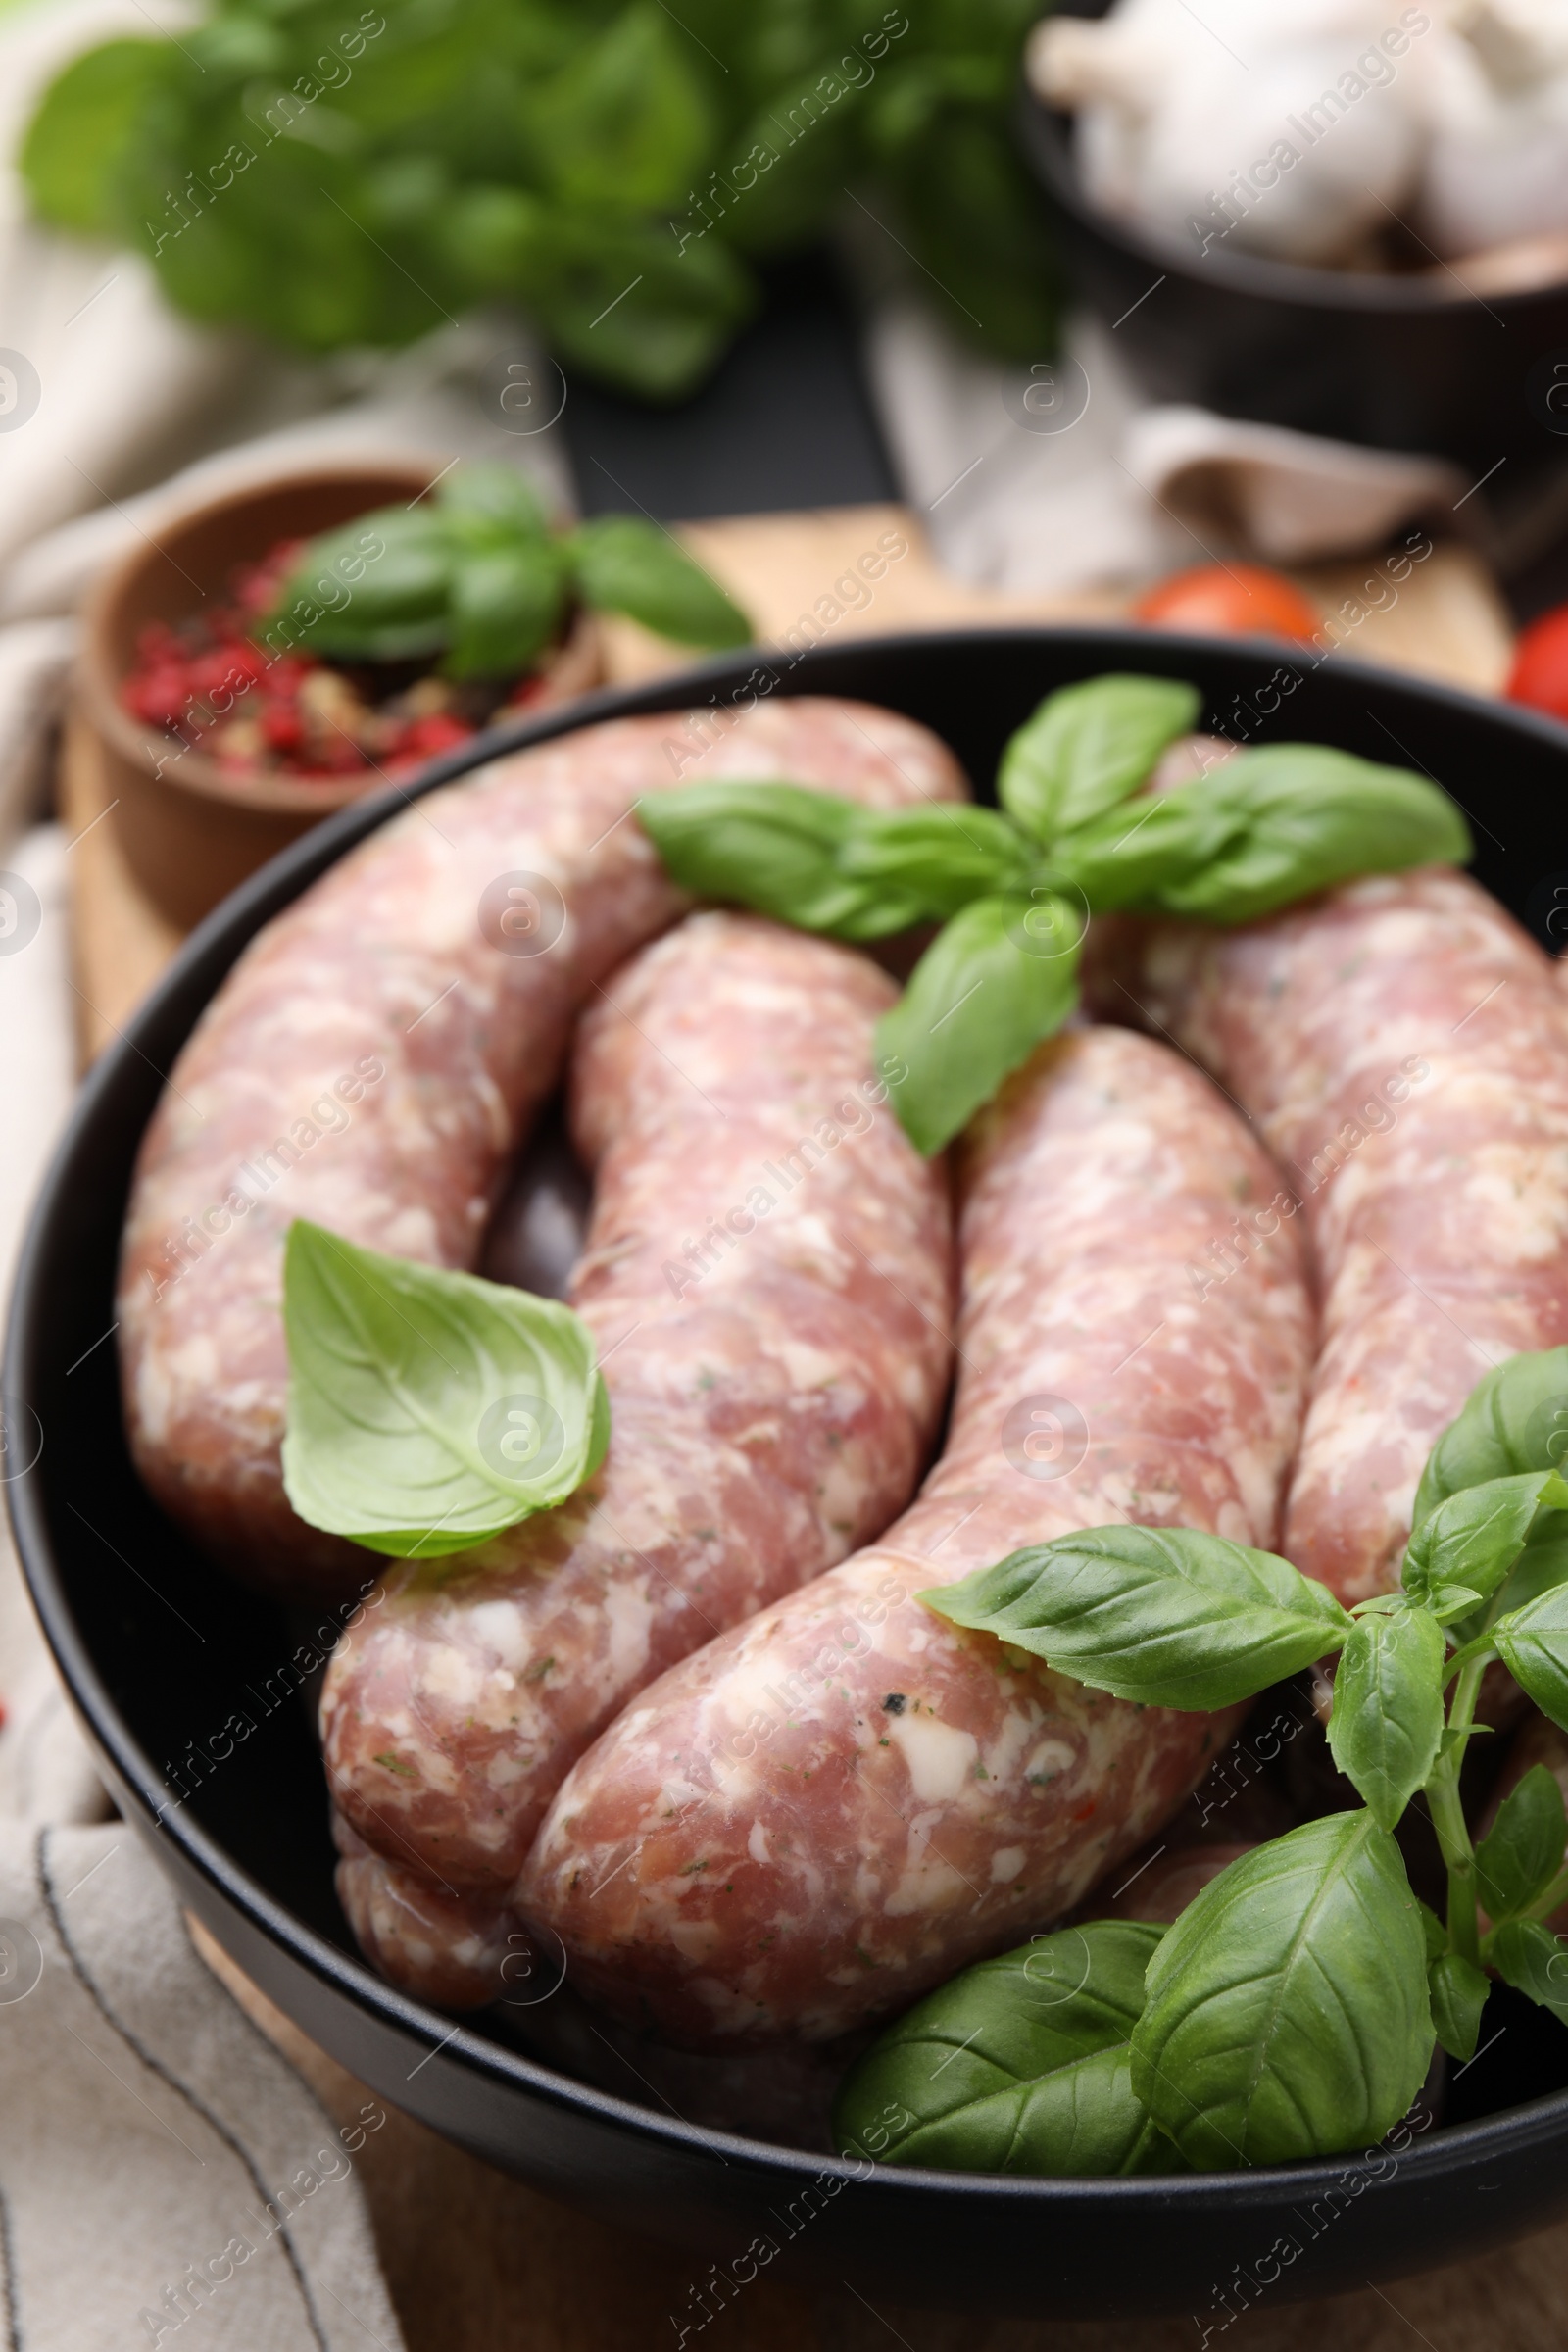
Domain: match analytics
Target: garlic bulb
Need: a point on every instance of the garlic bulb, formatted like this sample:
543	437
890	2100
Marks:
1294	127
1493	94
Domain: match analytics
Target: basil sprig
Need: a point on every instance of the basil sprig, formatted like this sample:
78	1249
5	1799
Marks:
476	575
429	1410
1076	835
1292	2009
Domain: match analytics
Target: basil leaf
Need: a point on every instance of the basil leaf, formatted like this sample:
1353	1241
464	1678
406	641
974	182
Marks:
90	123
629	112
1534	1961
1458	1992
1287	2011
624	565
1436	1933
505	606
1473	1538
938	858
1311	817
499	497
1165	1616
1515	1418
1019	2065
1387	1723
1532	1643
379	587
1126	857
977	1003
1524	1850
1088	747
429	1410
777	847
1542	1565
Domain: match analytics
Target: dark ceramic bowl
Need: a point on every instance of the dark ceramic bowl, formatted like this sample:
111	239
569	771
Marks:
1394	362
157	1649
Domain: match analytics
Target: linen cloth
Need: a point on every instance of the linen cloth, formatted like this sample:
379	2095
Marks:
161	2167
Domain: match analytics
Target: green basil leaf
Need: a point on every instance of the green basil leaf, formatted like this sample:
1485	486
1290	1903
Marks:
1451	1602
977	1003
626	304
1532	1643
490	492
1458	1992
1166	1616
378	588
1312	817
429	1410
1515	1418
1436	1933
624	565
1387	1723
1088	747
1286	2012
1126	857
938	858
627	114
93	116
505	607
1524	1850
1534	1961
1542	1565
1473	1538
1019	2065
777	847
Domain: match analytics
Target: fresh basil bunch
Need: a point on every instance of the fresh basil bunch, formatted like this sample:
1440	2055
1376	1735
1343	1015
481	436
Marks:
1291	2010
477	576
426	1410
335	176
1076	835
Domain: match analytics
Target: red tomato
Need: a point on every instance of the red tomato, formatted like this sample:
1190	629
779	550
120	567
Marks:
1229	600
1540	664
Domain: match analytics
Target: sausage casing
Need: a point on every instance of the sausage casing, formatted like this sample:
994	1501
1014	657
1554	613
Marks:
1402	1048
375	1058
768	1282
830	1809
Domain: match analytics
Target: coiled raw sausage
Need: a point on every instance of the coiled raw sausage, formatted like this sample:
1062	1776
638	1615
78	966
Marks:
833	1807
373	1060
1402	1047
768	1281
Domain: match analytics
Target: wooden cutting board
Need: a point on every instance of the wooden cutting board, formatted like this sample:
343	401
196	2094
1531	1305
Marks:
477	2262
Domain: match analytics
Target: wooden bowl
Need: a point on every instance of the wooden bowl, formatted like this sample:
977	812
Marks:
189	828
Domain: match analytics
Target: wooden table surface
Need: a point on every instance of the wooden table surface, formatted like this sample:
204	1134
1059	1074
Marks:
475	2261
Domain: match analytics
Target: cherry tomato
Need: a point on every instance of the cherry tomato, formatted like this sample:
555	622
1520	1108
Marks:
1540	664
1234	599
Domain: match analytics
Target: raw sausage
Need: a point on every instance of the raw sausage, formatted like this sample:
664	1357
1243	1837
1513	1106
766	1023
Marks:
375	1060
828	1811
768	1281
1402	1047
